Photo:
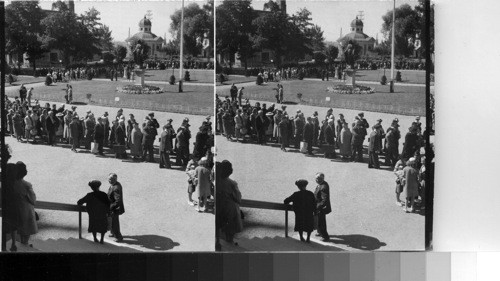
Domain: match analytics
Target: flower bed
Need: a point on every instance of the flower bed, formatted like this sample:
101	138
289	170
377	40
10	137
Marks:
349	89
138	90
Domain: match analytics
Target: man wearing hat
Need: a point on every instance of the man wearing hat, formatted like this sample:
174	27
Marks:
148	139
261	123
99	135
330	139
381	132
309	134
117	208
234	92
323	206
183	136
374	147
75	129
411	143
51	123
392	144
166	145
340	126
154	122
358	137
108	140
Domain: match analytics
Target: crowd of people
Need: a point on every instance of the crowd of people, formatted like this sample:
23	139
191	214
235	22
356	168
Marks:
329	137
53	124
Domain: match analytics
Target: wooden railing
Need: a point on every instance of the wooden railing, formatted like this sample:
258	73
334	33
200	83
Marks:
44	205
268	206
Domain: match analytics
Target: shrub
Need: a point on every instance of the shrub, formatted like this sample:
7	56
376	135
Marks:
398	76
301	75
162	66
383	81
172	80
11	79
187	77
48	81
260	80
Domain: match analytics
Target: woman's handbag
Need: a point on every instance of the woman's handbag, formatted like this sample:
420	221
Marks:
303	147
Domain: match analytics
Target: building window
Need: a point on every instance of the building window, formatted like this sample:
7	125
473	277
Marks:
265	57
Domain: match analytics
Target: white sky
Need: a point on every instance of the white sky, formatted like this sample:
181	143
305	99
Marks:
120	15
331	15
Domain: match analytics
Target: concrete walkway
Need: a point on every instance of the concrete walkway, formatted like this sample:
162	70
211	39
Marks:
155	199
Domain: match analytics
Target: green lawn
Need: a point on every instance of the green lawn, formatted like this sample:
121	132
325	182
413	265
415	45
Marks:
238	79
407	100
407	76
194	100
197	75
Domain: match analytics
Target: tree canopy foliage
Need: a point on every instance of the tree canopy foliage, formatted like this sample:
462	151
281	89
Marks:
32	31
198	22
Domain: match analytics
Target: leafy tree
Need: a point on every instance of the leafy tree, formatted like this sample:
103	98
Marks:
171	48
406	26
120	53
234	28
23	30
331	53
383	49
102	39
315	35
426	34
197	21
277	32
62	31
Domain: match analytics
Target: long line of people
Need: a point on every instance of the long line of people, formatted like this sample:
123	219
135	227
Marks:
329	137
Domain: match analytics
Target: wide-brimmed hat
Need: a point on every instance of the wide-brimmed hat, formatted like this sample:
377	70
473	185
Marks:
94	184
301	183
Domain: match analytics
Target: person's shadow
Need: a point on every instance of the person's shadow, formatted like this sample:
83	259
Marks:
152	242
357	241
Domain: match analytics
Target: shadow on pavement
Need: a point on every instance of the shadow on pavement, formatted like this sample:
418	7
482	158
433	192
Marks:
152	242
357	241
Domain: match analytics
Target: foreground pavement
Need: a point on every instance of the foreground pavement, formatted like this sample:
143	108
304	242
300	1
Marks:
157	216
364	216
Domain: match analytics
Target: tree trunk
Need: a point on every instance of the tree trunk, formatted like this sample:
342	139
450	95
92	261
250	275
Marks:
34	68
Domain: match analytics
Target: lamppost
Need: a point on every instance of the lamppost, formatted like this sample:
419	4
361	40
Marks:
181	58
391	84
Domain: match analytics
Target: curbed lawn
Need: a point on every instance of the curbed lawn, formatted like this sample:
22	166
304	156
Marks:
195	99
196	75
406	100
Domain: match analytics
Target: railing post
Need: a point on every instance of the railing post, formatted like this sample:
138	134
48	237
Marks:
79	224
286	223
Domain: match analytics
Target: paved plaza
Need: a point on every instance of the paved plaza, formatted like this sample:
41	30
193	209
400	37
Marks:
157	216
364	216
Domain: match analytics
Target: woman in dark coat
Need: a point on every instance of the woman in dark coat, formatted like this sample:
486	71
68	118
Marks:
97	208
304	205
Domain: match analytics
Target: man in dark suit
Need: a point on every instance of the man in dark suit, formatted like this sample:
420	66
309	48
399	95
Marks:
309	135
99	135
234	92
115	196
52	123
374	147
183	136
323	206
148	139
166	145
358	137
261	123
299	130
154	123
120	135
330	139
